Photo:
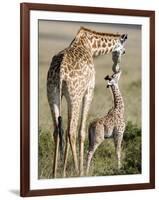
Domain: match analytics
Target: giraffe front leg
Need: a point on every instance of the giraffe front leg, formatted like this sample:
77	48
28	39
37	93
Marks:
85	108
118	137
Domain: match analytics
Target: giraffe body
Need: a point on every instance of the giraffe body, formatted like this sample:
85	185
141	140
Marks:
72	75
111	125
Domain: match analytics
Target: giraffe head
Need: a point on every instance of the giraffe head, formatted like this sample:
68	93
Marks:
121	42
119	49
113	80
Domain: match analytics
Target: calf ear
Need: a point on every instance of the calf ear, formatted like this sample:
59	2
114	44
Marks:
107	78
123	38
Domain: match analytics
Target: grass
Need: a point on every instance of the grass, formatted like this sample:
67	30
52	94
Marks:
104	162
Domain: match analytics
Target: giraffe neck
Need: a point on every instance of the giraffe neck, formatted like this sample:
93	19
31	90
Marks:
118	99
99	43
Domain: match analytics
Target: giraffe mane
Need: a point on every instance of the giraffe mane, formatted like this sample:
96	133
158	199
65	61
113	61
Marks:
99	33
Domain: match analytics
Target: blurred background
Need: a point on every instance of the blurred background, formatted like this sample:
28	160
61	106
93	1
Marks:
55	36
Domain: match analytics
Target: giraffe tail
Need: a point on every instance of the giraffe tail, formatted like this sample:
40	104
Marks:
91	137
61	136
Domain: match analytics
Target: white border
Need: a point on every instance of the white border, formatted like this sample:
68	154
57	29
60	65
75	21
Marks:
91	181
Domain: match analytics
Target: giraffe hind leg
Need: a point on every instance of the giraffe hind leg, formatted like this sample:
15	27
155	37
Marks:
72	129
55	114
90	156
85	108
93	144
66	155
67	143
54	102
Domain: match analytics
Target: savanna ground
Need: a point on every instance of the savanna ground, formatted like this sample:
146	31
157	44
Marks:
54	37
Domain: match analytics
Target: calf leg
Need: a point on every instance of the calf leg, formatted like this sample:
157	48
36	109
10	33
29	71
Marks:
96	137
118	137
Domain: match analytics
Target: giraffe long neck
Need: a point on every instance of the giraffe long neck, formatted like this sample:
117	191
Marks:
100	43
118	99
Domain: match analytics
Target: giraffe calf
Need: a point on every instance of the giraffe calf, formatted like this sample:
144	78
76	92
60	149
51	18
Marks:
111	125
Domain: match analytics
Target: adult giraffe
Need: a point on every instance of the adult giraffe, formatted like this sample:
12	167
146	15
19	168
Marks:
72	74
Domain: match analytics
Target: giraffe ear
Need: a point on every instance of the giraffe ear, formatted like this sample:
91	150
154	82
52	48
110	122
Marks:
107	78
123	38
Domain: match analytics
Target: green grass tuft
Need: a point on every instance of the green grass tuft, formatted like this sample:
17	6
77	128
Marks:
104	162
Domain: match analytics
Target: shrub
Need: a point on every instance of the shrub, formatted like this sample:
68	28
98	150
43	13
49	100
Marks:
132	150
